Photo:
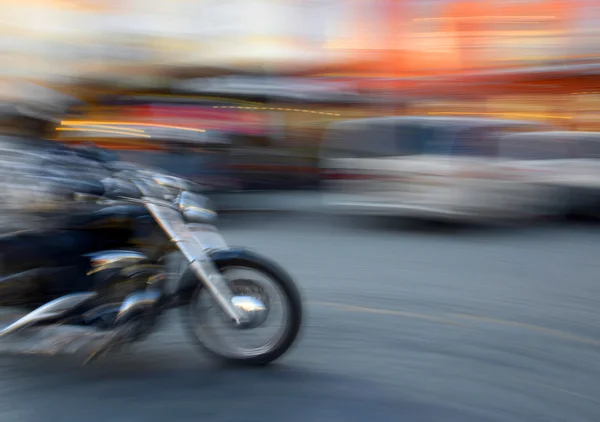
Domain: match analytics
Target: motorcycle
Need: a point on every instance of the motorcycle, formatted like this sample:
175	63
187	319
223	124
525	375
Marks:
131	289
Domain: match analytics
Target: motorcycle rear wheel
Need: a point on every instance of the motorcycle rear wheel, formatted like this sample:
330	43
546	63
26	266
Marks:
198	324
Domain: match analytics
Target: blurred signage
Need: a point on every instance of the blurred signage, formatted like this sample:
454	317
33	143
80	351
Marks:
500	33
419	36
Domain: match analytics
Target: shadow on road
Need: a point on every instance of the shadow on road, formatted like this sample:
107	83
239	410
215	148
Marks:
425	227
137	388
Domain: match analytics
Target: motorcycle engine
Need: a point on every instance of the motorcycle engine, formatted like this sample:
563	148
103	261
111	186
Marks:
115	284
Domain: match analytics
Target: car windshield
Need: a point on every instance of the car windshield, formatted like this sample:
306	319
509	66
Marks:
414	139
483	141
383	139
474	142
378	139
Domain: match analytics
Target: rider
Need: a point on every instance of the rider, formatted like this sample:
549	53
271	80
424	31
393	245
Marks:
40	222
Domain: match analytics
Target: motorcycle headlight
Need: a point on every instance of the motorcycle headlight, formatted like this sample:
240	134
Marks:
195	208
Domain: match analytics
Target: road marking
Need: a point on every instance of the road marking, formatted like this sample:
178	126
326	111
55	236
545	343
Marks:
543	330
455	319
380	311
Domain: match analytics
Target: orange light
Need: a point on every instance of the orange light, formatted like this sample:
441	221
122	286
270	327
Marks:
94	123
124	129
490	18
115	132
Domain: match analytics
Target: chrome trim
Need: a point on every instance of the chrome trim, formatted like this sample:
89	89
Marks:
219	289
114	258
173	225
52	309
139	301
171	182
255	311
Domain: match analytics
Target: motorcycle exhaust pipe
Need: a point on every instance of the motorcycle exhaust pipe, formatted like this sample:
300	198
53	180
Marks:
50	310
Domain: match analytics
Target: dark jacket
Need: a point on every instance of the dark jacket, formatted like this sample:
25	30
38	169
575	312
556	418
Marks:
38	180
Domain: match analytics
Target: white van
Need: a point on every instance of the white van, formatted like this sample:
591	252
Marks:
442	168
569	162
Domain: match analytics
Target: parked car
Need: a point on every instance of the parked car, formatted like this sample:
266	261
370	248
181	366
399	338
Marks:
435	167
566	162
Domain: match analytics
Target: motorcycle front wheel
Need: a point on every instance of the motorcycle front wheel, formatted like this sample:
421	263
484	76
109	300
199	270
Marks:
249	276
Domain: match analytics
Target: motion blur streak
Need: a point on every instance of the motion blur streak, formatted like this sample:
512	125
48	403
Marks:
460	319
115	132
428	171
385	312
89	123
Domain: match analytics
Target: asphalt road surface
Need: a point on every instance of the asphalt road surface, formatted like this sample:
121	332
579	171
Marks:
403	323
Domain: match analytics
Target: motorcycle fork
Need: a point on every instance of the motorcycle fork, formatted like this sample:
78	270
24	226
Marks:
198	260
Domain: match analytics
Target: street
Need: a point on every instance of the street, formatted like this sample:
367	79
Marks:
402	323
